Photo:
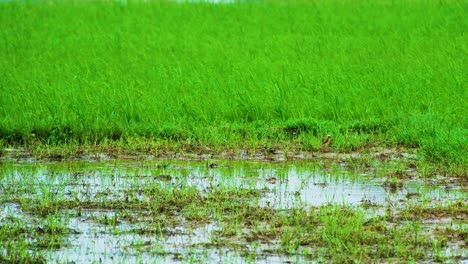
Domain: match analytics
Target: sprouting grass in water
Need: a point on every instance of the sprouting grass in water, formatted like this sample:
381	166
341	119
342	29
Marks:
236	74
153	206
22	239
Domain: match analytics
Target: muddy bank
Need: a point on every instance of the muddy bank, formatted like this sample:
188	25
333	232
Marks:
204	153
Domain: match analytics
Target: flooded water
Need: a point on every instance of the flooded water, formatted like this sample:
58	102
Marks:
107	235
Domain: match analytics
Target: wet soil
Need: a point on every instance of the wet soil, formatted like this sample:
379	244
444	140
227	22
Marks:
191	153
229	206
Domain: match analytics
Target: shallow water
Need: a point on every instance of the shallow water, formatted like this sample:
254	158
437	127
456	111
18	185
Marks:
282	186
286	185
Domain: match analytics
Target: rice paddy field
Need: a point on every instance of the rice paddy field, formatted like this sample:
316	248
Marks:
191	132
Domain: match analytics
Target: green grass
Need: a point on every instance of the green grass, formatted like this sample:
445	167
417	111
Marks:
366	72
129	200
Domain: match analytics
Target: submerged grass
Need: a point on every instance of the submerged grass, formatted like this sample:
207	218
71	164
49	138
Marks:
237	74
155	202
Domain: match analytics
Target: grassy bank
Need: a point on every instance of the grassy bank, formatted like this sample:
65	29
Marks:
366	72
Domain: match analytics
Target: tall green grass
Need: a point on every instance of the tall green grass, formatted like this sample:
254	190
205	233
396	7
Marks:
364	71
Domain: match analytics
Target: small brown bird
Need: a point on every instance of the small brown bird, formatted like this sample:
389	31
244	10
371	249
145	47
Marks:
325	143
271	180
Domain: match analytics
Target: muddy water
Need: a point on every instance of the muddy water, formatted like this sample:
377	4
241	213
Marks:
282	186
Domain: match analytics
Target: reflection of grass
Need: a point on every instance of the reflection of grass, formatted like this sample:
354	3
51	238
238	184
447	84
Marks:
329	233
21	242
229	75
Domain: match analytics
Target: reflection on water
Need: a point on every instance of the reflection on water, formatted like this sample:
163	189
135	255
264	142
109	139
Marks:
285	185
282	186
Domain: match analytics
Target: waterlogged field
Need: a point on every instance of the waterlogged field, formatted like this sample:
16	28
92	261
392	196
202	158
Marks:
170	211
175	131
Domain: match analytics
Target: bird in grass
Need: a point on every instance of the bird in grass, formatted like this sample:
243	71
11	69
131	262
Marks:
325	143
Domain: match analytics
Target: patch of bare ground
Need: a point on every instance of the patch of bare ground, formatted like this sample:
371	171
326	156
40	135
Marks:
203	153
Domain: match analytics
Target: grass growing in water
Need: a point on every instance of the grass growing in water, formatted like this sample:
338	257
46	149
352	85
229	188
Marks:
156	201
234	74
